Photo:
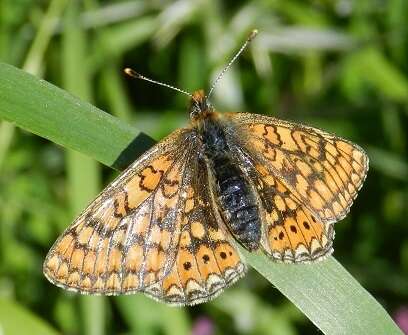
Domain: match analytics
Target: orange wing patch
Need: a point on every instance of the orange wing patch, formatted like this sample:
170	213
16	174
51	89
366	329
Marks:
153	230
126	239
293	234
200	273
206	260
323	171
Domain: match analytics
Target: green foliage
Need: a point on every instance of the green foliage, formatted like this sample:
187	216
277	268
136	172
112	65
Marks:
13	316
338	65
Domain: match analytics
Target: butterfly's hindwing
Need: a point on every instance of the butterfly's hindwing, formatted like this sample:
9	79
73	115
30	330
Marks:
207	260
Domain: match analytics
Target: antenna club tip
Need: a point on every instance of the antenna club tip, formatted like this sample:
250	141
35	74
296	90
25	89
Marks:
130	72
127	70
252	35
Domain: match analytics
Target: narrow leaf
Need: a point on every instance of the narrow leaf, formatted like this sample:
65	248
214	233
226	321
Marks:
16	320
52	113
329	296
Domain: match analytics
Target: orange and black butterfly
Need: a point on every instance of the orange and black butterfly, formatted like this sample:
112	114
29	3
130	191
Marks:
170	224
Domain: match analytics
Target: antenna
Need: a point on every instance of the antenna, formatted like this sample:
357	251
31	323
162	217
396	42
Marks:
248	40
132	73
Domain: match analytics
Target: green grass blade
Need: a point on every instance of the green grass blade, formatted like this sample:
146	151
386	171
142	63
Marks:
114	92
328	295
16	320
35	55
52	113
137	313
83	171
6	136
325	292
32	63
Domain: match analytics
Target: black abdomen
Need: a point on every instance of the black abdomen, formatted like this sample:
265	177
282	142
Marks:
235	196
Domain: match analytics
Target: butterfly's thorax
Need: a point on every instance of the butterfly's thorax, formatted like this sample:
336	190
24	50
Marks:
233	192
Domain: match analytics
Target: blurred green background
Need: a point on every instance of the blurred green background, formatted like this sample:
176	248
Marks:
338	65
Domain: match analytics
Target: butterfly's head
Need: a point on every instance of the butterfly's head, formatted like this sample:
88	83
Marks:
199	105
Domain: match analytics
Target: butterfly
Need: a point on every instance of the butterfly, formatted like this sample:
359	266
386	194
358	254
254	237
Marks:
170	225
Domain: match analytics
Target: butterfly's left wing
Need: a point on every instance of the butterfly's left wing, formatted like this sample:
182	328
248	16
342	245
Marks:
321	169
307	179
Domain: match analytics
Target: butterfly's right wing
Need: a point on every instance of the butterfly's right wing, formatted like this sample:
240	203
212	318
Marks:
126	239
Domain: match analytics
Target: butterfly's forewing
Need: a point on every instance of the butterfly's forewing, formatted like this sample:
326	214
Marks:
306	178
206	260
321	169
126	239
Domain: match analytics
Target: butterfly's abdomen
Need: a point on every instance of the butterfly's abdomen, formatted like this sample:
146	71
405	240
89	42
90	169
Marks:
234	194
237	202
